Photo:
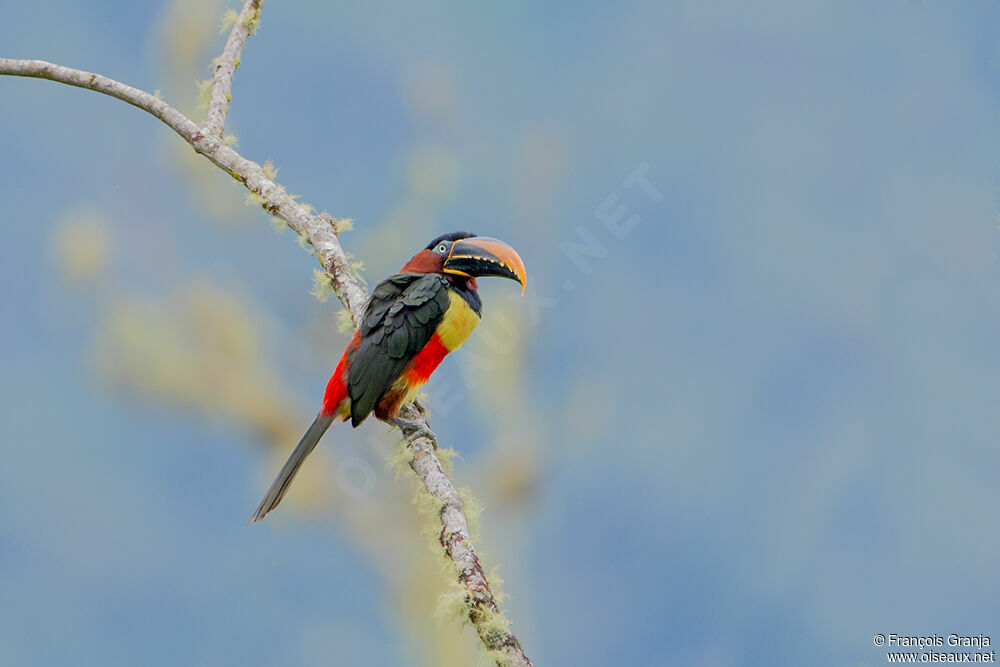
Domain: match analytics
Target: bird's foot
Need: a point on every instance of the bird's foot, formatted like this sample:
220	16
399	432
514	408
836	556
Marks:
417	429
421	408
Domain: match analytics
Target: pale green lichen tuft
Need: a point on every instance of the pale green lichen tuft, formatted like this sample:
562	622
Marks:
229	19
494	629
204	93
308	208
342	225
496	585
230	140
306	245
322	285
473	508
280	224
453	604
447	456
270	171
398	462
254	199
345	323
429	508
252	21
158	94
493	626
357	266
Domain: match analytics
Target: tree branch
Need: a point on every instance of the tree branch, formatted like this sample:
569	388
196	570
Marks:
321	232
481	604
222	85
40	69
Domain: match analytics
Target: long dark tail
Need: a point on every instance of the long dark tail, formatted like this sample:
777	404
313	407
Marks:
280	484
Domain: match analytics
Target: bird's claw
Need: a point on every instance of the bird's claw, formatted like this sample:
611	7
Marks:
421	408
417	429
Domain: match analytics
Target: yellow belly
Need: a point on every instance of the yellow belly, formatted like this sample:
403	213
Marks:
459	321
453	330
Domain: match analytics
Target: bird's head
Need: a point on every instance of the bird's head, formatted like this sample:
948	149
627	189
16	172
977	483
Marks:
464	255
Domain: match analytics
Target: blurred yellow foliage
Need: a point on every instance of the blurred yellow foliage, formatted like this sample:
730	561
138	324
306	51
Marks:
198	349
430	90
432	172
186	39
514	468
82	243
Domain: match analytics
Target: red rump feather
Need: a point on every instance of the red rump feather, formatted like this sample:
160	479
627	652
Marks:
336	388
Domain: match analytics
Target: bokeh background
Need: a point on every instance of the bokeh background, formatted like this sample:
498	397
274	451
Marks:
754	424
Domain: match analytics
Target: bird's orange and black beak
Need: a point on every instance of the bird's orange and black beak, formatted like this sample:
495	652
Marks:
482	256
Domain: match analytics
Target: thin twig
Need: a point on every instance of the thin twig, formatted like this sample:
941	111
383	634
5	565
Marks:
40	69
320	231
222	84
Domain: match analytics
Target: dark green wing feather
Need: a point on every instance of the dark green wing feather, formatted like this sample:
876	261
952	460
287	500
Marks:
400	318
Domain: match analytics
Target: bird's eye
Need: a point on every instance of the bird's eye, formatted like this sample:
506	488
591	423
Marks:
442	248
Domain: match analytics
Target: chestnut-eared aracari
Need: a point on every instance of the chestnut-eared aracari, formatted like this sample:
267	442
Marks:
412	321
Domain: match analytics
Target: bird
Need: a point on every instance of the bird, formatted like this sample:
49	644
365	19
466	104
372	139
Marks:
412	320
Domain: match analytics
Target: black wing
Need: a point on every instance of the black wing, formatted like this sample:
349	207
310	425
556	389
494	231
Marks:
400	318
